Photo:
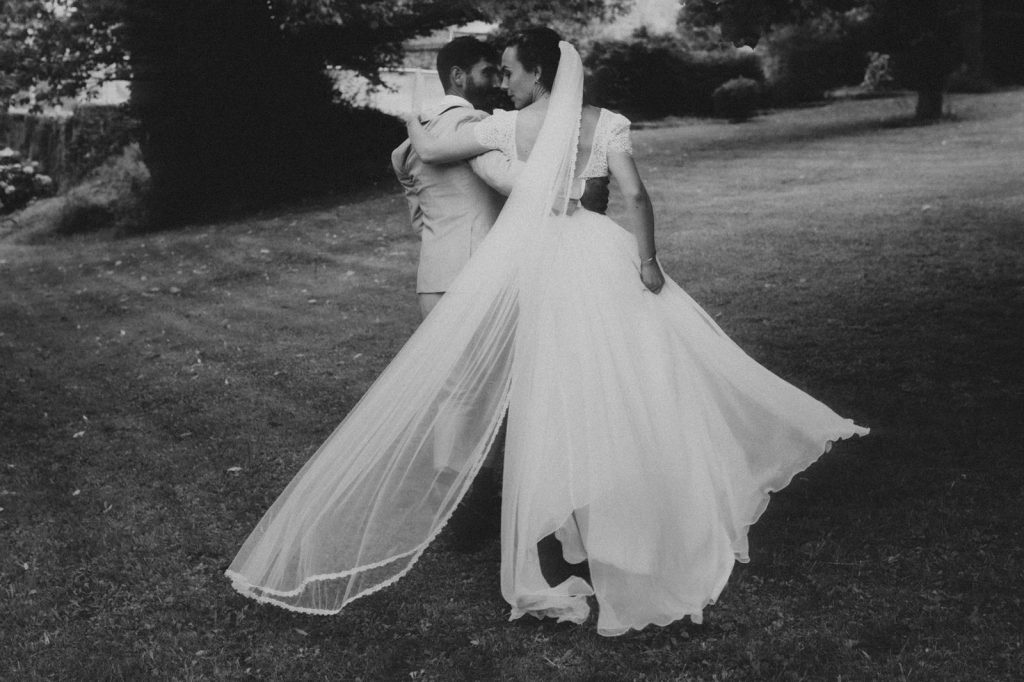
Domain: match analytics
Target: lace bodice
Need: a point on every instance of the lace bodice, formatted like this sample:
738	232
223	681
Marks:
611	134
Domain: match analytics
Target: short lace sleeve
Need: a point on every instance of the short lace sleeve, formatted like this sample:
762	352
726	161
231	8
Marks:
497	130
619	139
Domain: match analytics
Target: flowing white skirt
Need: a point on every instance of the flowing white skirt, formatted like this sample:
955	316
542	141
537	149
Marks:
640	434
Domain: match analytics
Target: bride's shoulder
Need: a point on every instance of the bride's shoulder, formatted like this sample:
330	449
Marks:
495	131
615	120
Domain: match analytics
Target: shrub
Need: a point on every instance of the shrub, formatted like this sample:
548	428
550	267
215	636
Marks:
878	76
1002	46
737	99
803	62
98	133
68	147
966	81
656	77
20	182
112	197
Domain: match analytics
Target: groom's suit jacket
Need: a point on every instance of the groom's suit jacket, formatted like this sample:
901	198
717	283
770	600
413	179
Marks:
450	205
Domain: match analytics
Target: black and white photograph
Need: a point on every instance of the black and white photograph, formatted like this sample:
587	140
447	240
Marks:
597	340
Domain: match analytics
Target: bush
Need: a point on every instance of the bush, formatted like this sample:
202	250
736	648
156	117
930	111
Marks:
966	81
878	76
656	77
68	147
20	182
112	197
1002	46
737	99
803	62
99	133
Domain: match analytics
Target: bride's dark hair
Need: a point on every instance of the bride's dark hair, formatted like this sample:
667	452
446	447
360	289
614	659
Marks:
535	47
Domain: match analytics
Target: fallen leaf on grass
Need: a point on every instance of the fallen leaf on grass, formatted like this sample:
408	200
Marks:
234	470
78	434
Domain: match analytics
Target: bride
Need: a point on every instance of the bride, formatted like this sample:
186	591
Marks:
638	433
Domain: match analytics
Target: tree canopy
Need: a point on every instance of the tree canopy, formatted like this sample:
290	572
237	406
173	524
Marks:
232	96
928	38
62	44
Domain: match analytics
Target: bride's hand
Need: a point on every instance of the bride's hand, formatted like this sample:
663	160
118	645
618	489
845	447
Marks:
651	276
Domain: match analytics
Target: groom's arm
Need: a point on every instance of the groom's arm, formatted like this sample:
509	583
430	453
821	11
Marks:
400	163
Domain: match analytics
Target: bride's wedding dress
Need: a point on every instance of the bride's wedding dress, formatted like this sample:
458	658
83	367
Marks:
638	432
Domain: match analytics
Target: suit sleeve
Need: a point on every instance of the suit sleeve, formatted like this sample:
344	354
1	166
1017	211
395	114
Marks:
494	167
400	164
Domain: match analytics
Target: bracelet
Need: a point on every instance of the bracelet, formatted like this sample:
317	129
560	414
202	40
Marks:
648	260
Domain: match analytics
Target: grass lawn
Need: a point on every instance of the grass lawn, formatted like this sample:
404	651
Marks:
158	392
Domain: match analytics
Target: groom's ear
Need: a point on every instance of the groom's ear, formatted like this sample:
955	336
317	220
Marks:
457	77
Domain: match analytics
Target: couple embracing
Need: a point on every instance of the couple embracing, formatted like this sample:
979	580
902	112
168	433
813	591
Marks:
638	434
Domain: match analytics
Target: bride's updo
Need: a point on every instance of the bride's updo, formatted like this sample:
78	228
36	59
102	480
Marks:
538	47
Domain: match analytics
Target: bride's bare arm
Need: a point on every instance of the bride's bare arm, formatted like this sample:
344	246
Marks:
461	144
641	214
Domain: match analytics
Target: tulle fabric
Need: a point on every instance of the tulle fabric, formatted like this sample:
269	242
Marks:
362	510
640	435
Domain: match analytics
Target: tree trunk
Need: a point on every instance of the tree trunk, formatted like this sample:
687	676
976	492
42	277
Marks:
929	105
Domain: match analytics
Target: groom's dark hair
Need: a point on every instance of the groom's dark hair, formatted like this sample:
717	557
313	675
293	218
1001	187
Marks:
463	52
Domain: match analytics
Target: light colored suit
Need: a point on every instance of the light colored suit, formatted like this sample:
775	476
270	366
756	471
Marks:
450	205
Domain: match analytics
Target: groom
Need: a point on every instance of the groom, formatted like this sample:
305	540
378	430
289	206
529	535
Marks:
454	205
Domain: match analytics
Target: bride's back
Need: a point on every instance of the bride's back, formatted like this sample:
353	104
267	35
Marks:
530	119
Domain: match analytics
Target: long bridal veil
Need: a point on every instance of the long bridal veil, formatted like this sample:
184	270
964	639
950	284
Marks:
362	510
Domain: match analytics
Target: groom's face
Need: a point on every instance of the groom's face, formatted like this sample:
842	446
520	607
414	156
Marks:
482	81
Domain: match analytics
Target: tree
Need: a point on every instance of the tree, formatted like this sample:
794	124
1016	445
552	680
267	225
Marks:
57	46
925	37
232	95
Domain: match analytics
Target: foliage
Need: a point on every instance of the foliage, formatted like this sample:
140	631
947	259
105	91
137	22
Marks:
57	46
964	80
656	77
737	99
20	182
926	38
114	196
878	74
231	96
64	44
744	22
804	61
98	133
70	146
1003	47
